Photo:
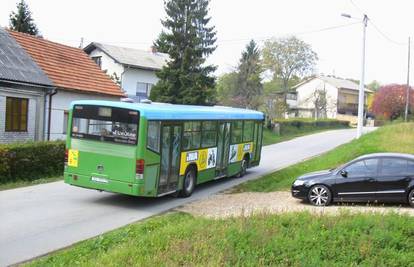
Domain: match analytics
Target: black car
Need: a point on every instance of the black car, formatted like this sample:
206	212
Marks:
381	177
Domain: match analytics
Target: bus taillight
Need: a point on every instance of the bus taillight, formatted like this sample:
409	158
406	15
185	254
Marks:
140	163
66	157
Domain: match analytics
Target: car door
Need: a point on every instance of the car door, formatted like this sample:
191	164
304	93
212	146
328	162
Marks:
360	182
393	179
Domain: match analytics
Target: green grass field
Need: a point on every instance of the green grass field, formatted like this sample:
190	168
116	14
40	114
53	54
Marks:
391	138
294	239
269	137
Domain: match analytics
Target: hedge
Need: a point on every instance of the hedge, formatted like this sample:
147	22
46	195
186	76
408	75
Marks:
31	161
291	126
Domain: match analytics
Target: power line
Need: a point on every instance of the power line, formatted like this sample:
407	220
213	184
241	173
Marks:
385	36
262	38
376	27
295	33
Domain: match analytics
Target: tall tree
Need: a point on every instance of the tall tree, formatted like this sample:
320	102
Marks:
22	20
288	57
227	89
249	82
189	40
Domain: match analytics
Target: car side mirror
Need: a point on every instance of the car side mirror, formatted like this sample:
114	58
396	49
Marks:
344	173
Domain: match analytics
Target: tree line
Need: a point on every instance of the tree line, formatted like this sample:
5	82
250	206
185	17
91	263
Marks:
261	80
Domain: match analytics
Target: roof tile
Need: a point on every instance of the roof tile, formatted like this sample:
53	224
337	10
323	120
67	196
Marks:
68	67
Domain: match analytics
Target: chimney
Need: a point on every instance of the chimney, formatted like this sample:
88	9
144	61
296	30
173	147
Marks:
153	49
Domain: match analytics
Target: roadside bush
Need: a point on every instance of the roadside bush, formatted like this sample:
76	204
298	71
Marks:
30	161
293	126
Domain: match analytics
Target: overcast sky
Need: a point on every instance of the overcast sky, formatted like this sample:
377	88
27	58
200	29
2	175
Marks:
136	23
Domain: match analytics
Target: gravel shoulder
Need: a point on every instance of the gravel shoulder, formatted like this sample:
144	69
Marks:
249	203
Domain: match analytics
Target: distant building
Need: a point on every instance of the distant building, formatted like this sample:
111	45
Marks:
340	95
134	68
23	89
39	80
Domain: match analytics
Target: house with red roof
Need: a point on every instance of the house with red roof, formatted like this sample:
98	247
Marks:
38	81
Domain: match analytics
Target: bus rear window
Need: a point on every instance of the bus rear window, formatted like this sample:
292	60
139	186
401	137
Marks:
106	124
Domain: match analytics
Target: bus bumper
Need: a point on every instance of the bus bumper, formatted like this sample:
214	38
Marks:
108	186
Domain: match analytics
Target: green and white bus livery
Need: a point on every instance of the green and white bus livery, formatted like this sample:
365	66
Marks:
158	149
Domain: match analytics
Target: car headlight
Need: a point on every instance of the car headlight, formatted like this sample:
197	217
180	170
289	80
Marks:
298	182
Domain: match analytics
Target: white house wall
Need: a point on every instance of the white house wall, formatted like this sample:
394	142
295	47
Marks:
305	98
108	65
61	103
132	76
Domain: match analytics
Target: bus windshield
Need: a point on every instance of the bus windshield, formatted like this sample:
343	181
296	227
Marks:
106	124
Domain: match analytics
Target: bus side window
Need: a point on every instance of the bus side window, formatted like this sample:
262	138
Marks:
192	135
236	132
209	133
153	136
248	131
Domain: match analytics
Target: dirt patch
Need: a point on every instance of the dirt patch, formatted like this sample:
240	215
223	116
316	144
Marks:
246	204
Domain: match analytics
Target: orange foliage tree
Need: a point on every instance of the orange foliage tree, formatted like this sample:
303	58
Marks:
390	100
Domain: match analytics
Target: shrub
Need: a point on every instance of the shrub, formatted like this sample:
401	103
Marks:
30	161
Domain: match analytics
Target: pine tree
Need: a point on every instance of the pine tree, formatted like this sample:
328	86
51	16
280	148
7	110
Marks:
22	20
250	87
188	40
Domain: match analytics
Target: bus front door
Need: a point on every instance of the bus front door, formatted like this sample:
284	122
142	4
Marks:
170	158
223	145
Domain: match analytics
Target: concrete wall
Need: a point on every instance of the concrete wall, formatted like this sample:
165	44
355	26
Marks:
35	114
60	103
305	98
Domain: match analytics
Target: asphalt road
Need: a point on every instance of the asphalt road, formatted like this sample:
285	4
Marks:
38	219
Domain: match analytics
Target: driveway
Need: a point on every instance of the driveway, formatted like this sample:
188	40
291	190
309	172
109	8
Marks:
250	203
38	219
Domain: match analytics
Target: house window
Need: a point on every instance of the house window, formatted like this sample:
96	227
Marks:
143	89
65	121
98	61
16	114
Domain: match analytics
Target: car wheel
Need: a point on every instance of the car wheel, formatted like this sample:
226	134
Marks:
411	198
320	195
188	183
243	168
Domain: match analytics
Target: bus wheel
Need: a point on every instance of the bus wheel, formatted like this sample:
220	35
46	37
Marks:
243	168
188	183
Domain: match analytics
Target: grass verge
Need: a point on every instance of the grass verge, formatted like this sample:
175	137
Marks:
292	239
391	138
270	138
12	185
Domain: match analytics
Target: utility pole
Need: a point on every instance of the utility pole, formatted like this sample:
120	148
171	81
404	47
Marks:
407	100
361	96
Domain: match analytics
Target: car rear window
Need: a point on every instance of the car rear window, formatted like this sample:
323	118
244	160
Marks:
393	166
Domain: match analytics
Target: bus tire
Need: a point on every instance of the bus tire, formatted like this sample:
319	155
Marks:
189	182
243	166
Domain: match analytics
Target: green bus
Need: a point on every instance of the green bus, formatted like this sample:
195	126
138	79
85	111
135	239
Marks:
154	149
